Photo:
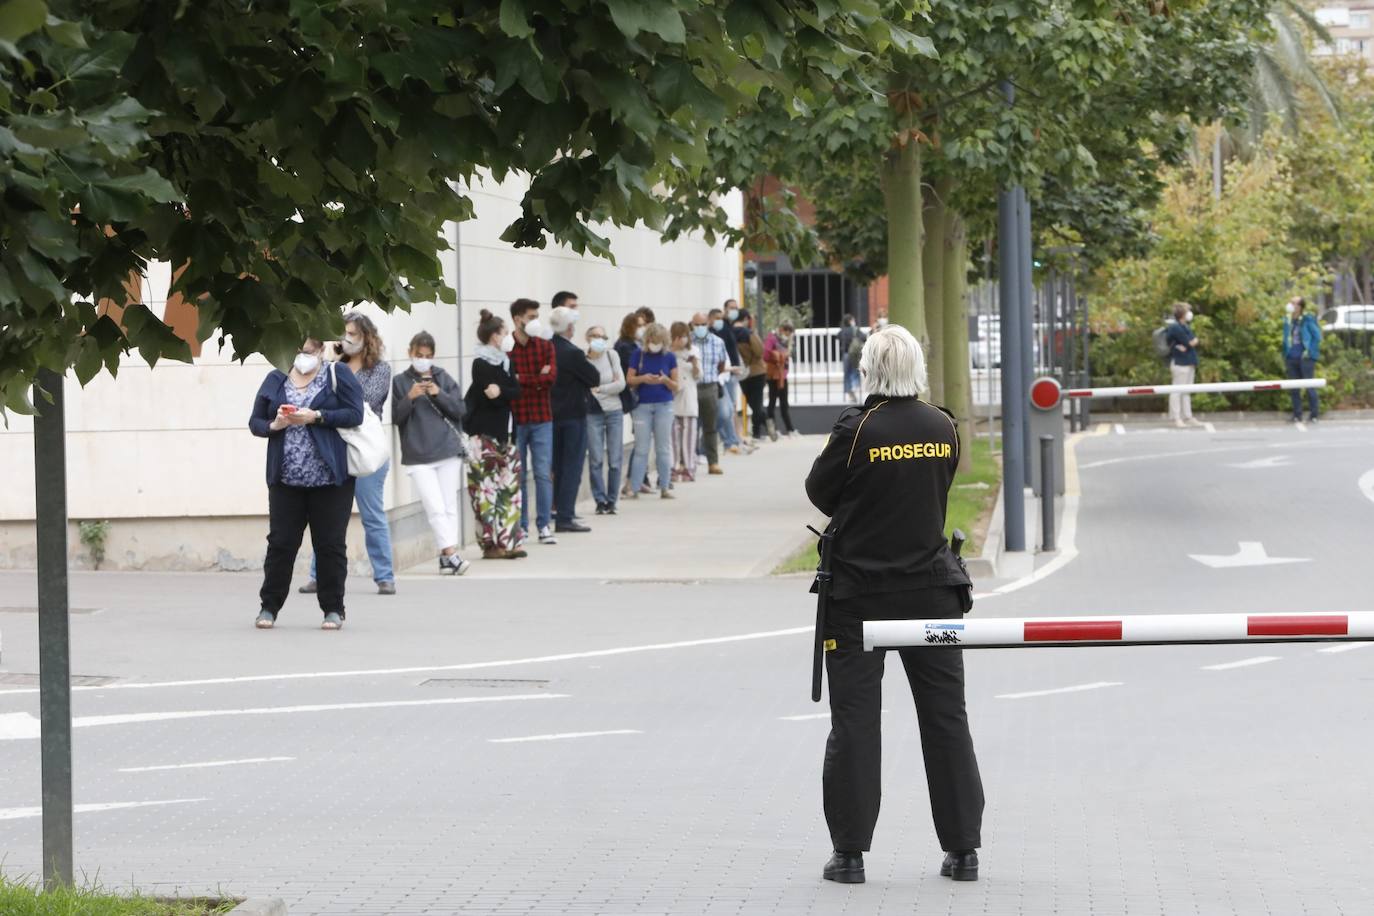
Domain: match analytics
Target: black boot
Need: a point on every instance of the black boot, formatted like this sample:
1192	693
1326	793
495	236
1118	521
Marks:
961	865
845	867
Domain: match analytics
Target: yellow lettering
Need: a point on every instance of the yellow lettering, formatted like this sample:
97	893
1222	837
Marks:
906	450
885	453
873	455
945	450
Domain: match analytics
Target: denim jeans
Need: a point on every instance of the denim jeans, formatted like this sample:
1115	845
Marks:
851	379
606	451
569	456
725	417
1303	368
368	494
653	429
534	441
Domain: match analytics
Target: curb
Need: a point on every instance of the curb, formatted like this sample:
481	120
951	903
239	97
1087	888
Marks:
984	566
263	906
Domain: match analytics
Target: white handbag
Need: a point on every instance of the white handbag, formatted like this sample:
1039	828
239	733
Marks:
368	446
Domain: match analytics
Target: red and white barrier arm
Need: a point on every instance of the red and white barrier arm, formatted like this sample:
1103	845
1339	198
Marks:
1198	388
1135	630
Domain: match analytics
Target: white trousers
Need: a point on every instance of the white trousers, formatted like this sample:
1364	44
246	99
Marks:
1181	405
437	485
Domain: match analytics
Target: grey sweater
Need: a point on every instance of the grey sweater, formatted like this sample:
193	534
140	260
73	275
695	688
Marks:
428	424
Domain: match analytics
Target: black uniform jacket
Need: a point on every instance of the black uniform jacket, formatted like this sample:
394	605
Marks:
576	378
883	478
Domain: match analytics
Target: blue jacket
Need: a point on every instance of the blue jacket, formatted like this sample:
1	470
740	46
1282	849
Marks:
1180	335
1309	335
342	408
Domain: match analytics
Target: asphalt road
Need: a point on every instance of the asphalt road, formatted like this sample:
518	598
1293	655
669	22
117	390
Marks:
421	760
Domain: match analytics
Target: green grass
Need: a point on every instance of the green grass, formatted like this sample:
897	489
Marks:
970	508
21	899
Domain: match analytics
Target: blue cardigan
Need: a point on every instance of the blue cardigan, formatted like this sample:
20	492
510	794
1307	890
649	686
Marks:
1309	335
342	408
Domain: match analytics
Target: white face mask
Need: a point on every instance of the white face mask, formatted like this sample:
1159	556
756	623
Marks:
732	314
352	346
639	333
508	343
598	345
655	348
882	322
1188	317
306	363
718	325
1290	308
422	365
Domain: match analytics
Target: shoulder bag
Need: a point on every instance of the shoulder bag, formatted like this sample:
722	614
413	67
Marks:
368	448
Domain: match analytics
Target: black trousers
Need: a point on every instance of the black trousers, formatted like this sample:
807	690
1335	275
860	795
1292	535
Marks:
569	458
752	388
777	397
326	511
853	753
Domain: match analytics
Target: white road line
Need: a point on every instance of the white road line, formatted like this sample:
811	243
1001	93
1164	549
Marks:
1068	526
208	763
426	669
1344	647
1243	663
1209	427
19	726
1119	429
1098	685
1366	484
807	717
11	814
559	737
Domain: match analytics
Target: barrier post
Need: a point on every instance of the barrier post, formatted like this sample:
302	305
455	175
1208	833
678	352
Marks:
1046	418
1047	488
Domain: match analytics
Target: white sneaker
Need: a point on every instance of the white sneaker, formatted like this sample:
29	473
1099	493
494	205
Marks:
546	536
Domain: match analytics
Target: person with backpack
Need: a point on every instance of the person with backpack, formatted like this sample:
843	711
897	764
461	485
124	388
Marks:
1183	345
851	340
1302	341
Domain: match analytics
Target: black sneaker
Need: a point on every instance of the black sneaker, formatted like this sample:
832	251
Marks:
610	508
845	868
961	865
600	508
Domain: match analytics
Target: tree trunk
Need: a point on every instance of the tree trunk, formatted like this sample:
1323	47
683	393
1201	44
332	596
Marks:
902	196
958	383
933	276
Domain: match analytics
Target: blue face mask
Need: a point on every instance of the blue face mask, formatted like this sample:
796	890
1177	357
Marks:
598	345
718	324
699	331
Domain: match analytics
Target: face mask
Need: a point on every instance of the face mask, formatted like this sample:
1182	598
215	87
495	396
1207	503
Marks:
1290	308
639	334
422	365
699	331
508	343
655	348
575	317
732	314
533	328
718	324
882	322
1188	317
598	345
306	363
352	346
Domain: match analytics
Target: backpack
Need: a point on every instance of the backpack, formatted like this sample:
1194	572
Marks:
1160	337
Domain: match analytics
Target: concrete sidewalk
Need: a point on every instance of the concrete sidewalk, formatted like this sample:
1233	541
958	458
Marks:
741	524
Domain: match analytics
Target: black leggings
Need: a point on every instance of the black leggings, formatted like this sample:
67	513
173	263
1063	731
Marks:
752	387
326	510
777	397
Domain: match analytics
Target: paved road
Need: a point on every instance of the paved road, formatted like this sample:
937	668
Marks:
1181	789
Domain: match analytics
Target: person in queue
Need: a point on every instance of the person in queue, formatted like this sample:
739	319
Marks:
730	397
493	462
883	478
653	374
299	413
568	400
427	408
755	372
777	358
536	370
715	369
686	405
605	420
361	350
630	340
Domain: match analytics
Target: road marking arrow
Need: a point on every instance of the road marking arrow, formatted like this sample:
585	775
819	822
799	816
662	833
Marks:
1251	553
1277	461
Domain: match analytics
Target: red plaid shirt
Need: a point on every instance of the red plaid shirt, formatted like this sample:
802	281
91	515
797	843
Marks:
527	359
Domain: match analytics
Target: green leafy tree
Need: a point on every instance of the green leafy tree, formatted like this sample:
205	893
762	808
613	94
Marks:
293	156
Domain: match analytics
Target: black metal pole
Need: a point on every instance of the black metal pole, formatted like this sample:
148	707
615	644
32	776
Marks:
1027	286
54	648
1086	409
1013	398
1047	470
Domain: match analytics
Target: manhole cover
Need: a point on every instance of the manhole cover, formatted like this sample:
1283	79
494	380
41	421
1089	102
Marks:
488	682
78	680
34	610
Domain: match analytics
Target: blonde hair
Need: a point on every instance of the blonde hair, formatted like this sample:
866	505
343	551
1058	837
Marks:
657	333
892	363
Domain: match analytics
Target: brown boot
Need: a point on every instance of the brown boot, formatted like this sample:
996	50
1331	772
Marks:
715	469
495	553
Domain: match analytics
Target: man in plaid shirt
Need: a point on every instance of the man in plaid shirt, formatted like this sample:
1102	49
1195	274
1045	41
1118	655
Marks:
532	362
715	362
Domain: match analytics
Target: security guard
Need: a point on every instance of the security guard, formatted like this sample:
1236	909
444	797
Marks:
884	478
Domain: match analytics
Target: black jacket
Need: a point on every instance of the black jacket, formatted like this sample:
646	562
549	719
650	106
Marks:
428	424
731	348
883	478
576	379
486	416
